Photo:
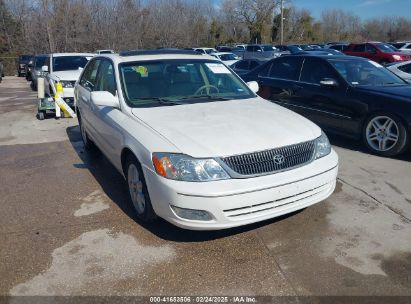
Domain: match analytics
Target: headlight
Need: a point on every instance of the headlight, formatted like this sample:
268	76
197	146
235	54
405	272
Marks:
66	84
396	57
322	146
186	168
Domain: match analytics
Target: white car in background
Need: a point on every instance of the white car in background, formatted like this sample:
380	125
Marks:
66	69
403	47
205	51
402	69
226	57
196	145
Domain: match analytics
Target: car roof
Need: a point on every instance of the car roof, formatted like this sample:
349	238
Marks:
73	54
222	53
149	55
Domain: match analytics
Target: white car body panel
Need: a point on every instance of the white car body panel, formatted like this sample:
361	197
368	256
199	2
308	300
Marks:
210	130
237	133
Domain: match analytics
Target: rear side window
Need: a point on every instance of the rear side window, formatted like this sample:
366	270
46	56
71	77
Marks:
253	64
88	80
242	65
286	68
408	46
315	70
369	48
359	48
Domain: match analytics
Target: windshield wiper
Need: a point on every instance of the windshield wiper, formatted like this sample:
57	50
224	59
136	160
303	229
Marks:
210	97
160	100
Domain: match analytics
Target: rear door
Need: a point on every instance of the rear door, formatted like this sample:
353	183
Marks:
279	83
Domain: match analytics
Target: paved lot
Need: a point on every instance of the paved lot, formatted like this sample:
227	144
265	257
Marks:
67	227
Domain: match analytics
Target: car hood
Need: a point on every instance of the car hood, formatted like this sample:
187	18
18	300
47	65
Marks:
71	75
230	127
402	91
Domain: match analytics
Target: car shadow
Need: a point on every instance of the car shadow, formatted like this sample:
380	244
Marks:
115	187
357	145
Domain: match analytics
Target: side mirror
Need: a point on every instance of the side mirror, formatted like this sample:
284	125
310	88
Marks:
329	82
104	99
253	85
45	68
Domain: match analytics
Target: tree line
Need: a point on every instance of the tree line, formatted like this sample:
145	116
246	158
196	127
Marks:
44	26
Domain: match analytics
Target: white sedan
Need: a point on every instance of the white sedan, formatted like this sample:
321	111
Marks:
402	69
227	58
196	145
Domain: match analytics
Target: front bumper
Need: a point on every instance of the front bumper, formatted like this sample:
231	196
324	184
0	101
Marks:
237	202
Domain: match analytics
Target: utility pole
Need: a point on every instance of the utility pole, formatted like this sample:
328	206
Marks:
282	24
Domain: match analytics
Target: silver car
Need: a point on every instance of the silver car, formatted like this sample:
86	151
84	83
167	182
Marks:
402	69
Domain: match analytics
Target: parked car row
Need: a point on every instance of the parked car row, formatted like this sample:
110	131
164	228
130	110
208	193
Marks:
64	68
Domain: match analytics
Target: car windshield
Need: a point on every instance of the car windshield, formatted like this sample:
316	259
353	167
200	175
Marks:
365	73
225	57
386	48
66	63
148	83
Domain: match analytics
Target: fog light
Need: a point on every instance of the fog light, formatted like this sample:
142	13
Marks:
192	214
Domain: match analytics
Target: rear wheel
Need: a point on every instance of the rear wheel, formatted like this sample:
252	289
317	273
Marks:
385	134
138	190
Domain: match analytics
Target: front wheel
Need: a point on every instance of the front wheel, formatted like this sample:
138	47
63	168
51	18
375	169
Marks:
385	134
88	144
138	190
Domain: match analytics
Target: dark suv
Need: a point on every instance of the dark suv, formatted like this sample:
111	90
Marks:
382	53
21	66
346	95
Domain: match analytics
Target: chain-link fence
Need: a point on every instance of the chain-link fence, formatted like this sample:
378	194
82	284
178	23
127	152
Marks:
10	65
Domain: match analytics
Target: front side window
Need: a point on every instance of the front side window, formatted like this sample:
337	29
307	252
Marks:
148	83
365	73
315	70
88	79
370	49
66	63
106	80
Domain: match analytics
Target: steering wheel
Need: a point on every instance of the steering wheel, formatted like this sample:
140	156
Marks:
372	79
209	86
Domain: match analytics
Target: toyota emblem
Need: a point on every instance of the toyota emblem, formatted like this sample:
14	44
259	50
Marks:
279	159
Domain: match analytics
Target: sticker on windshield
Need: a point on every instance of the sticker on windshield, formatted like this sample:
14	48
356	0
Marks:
142	70
218	68
375	64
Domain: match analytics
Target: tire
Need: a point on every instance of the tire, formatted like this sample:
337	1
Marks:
385	134
88	144
137	189
40	115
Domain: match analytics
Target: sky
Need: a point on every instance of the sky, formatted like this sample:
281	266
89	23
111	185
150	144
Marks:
363	8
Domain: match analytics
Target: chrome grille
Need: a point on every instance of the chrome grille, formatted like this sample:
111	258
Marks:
263	162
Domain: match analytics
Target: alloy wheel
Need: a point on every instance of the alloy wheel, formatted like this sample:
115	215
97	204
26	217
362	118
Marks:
382	133
135	186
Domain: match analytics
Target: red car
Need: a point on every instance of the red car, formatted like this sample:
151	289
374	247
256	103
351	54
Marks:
379	52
